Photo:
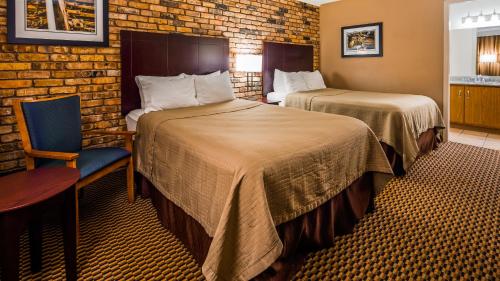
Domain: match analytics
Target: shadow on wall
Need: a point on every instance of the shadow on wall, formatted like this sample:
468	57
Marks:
340	82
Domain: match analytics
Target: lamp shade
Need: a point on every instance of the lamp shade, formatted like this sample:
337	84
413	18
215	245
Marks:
248	63
485	58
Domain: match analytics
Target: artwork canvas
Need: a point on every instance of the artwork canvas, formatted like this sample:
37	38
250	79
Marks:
362	40
65	22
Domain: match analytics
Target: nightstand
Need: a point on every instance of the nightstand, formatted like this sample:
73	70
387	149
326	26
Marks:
264	100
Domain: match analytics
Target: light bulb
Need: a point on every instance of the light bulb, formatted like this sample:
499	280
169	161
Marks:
495	16
480	18
468	19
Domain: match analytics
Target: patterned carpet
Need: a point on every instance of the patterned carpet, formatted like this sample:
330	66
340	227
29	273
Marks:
441	221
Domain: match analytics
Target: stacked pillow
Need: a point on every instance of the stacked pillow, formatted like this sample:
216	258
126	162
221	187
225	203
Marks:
159	93
314	80
168	92
213	88
290	82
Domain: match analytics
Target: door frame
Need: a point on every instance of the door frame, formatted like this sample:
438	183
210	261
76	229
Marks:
446	63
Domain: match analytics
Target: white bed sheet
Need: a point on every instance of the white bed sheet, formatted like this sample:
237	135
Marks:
132	118
274	96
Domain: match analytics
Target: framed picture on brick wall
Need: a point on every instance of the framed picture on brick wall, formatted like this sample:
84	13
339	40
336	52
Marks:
58	22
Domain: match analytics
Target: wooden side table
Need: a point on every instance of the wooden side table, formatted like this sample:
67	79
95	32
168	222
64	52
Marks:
24	197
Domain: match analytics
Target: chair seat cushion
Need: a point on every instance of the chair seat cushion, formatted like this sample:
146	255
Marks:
90	160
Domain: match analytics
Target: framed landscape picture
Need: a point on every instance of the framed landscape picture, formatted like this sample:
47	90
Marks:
58	22
362	40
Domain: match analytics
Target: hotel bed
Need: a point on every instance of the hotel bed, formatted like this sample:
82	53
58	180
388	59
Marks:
406	125
249	188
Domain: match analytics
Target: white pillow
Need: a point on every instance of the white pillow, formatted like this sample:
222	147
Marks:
168	94
314	80
153	79
279	81
294	82
214	89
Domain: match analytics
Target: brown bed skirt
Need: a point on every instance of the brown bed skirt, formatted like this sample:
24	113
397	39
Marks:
427	142
312	231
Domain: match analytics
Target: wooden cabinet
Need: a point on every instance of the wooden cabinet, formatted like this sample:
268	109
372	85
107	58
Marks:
490	106
473	108
457	104
475	105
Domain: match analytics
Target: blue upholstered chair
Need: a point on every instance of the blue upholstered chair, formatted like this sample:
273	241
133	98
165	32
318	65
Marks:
51	135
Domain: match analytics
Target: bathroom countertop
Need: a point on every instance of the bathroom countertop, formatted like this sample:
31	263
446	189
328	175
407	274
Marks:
491	81
472	83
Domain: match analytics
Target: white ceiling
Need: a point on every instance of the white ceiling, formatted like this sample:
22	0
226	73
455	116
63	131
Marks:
318	2
462	9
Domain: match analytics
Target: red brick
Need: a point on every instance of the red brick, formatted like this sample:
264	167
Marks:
34	74
32	92
8	75
15	66
79	65
6	84
63	57
33	57
49	82
78	81
62	90
10	137
83	50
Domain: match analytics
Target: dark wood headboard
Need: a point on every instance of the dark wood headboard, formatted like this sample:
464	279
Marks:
159	54
285	57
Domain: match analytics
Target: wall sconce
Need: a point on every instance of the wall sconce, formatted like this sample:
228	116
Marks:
250	64
488	58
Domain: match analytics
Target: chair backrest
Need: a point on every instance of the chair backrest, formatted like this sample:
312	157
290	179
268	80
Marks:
53	124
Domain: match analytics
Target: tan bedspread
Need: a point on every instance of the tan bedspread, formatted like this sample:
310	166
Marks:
396	119
240	168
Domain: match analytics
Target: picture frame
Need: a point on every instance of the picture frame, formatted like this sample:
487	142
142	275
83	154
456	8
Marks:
58	22
364	40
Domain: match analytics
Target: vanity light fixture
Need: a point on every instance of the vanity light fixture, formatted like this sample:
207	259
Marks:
481	17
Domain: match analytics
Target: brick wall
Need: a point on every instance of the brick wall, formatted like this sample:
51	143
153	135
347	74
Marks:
43	71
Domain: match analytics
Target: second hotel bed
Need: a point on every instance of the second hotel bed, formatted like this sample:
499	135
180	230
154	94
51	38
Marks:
407	126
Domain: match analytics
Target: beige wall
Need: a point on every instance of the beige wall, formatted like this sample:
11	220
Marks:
413	47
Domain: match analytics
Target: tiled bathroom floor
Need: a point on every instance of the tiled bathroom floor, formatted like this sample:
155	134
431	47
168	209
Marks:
481	139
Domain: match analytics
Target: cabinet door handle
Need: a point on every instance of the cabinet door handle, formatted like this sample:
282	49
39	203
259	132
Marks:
460	93
467	94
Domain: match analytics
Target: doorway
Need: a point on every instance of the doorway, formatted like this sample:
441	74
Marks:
472	67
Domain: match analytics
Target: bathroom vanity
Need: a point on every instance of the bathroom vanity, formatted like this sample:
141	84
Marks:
475	102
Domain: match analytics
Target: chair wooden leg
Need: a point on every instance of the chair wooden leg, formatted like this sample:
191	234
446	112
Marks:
130	181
